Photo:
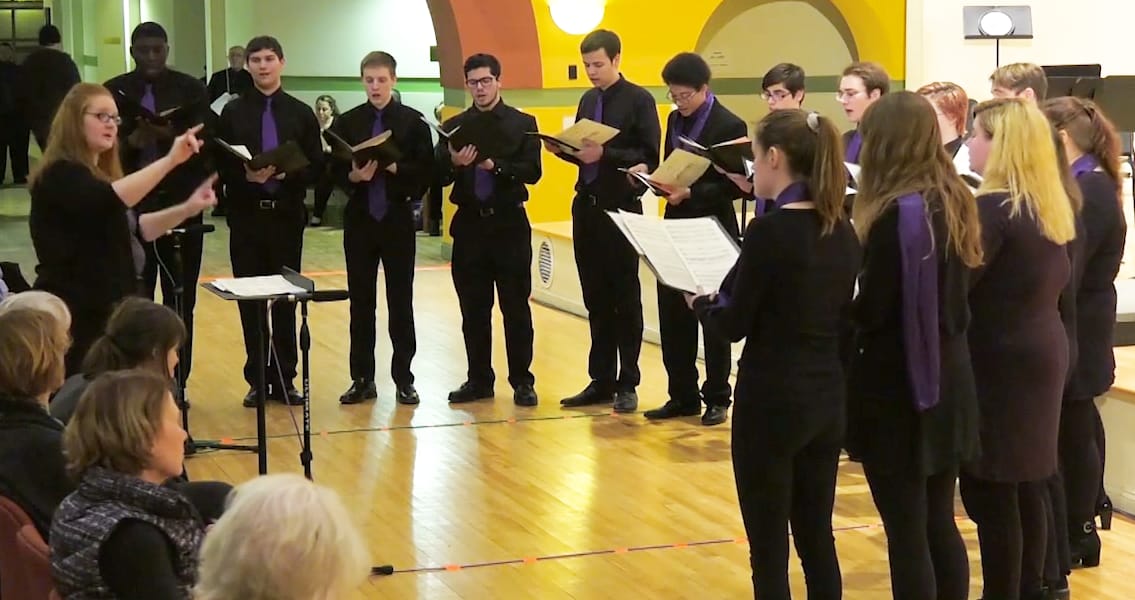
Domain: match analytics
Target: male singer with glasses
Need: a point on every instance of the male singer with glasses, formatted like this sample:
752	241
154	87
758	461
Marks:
861	85
378	226
607	264
266	213
492	240
783	87
153	86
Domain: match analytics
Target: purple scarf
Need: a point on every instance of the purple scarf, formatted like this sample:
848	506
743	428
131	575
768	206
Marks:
919	301
795	192
854	145
701	116
1084	165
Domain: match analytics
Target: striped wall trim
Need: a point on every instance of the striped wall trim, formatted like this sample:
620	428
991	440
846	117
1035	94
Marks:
302	83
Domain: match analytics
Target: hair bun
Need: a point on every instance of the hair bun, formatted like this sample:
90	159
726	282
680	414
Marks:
814	121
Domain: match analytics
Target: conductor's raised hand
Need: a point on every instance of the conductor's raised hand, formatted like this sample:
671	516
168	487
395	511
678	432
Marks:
205	196
463	157
364	172
259	175
185	145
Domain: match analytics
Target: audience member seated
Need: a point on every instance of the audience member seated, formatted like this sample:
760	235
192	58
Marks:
141	334
123	534
41	301
282	538
32	473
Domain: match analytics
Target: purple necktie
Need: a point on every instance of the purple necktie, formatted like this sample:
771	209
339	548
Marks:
150	151
482	184
377	193
269	139
591	172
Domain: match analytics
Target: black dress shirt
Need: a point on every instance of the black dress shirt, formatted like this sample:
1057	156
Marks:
412	136
511	171
171	89
712	195
228	81
632	110
240	124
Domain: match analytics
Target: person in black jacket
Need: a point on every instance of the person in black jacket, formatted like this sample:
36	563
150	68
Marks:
266	212
234	79
700	117
47	75
608	265
912	401
13	125
157	88
378	226
492	240
787	296
1092	148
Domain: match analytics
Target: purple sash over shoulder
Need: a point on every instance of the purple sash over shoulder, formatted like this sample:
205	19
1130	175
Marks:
919	301
1084	165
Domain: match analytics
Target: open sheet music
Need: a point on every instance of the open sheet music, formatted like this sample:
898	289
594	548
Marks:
267	285
571	139
731	156
691	255
680	170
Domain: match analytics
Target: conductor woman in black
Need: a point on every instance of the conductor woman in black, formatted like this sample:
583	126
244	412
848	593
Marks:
378	227
87	237
266	213
912	400
702	118
1092	149
787	296
608	265
492	240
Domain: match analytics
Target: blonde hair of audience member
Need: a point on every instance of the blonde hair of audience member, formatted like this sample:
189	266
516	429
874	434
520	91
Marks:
69	138
139	334
281	537
809	147
1085	130
1021	80
41	301
32	347
1012	149
902	154
127	422
950	106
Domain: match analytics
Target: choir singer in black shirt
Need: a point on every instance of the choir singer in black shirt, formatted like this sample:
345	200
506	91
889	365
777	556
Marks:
157	88
266	213
608	265
492	240
787	297
700	117
378	226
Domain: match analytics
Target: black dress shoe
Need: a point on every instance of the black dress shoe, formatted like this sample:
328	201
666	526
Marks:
524	395
408	395
360	391
471	392
626	402
592	394
714	415
291	397
250	398
673	409
1085	547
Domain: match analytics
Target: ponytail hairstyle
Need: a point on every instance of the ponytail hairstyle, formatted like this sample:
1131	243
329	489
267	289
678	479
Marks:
1090	131
903	154
139	334
814	150
1071	187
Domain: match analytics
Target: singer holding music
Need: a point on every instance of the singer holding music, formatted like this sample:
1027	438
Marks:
153	89
86	233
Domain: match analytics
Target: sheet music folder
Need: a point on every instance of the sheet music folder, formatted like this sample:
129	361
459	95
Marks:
690	255
266	287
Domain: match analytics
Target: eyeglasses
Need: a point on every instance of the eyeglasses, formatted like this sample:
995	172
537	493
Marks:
482	82
847	94
777	95
683	97
106	118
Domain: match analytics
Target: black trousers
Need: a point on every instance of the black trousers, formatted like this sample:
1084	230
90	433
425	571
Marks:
926	553
323	188
14	141
367	244
1058	552
494	250
164	263
40	130
784	464
1012	527
678	330
608	274
262	242
1080	461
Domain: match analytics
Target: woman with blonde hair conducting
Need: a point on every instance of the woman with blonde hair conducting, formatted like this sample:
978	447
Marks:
1018	344
282	537
87	238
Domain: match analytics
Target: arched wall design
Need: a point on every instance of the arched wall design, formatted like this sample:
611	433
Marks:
504	28
729	10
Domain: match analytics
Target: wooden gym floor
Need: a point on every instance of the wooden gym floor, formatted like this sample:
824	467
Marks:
493	501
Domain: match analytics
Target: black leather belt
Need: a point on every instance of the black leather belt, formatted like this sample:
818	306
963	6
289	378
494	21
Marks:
268	204
488	211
